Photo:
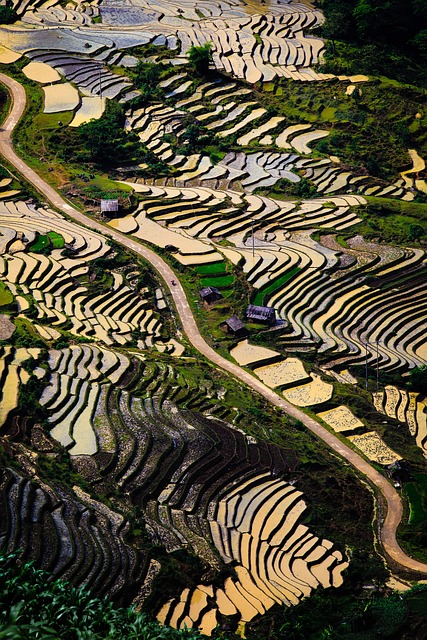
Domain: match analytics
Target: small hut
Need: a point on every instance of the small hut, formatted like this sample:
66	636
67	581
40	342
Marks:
234	326
109	206
263	315
210	294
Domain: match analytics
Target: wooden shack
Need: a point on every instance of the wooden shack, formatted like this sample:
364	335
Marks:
262	315
210	294
234	326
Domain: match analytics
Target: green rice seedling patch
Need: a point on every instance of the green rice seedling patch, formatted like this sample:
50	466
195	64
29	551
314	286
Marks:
56	239
220	281
214	268
416	493
40	244
275	285
5	295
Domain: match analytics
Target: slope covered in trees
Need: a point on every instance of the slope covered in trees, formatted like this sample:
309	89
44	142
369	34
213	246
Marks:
391	36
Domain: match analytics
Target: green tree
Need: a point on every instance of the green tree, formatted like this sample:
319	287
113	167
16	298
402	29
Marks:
106	142
418	378
200	58
8	14
147	81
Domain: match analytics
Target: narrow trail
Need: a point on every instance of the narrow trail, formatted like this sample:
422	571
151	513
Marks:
394	503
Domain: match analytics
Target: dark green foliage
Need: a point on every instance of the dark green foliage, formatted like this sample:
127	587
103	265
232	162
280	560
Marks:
200	58
302	189
147	77
8	14
105	140
338	615
418	378
416	492
392	22
390	36
196	138
29	396
34	606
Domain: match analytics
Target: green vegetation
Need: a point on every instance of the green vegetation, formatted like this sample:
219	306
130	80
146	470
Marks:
34	606
45	243
219	281
25	334
370	130
418	378
4	103
8	14
338	615
103	141
212	268
371	36
200	58
6	296
276	284
417	495
393	221
56	239
147	77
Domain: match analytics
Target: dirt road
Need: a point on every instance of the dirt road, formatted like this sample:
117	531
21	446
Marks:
392	498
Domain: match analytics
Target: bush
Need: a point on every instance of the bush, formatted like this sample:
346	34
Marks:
200	58
8	15
34	606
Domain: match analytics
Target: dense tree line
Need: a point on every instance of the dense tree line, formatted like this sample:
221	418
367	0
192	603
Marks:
394	22
390	34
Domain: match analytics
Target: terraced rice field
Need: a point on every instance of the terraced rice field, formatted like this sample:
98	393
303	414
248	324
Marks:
200	484
408	408
318	287
12	377
49	284
374	448
232	113
137	429
60	97
341	419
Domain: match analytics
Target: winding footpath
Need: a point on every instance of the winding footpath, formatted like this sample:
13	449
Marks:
392	498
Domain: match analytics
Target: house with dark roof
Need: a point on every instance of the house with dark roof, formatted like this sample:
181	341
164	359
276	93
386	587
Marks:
234	326
263	315
210	294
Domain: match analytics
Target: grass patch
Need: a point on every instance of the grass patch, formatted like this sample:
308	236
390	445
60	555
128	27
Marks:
45	121
417	600
214	268
394	221
260	296
5	295
46	242
416	492
40	244
56	239
25	334
220	281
